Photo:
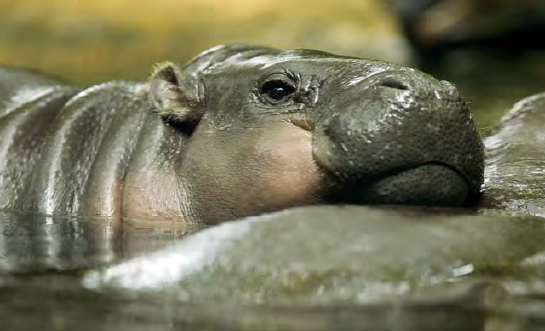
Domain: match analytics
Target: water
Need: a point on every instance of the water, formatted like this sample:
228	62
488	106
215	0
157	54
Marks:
373	270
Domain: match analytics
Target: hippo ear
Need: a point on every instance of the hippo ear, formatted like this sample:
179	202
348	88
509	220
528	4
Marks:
175	99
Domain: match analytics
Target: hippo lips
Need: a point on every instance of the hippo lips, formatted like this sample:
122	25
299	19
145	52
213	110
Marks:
431	184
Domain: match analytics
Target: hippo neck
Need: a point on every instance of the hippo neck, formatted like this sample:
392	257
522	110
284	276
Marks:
154	188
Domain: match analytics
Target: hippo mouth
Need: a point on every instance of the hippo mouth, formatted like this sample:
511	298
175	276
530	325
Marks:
429	184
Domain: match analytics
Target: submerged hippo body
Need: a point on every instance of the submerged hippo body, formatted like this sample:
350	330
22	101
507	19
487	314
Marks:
239	130
515	160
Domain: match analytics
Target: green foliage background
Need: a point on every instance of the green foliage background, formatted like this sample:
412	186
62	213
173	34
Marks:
91	41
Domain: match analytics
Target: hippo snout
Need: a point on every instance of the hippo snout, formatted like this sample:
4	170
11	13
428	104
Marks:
402	138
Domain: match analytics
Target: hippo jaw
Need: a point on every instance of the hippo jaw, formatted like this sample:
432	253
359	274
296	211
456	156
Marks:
432	184
439	164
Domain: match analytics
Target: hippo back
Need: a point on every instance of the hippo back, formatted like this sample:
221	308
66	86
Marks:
43	168
20	86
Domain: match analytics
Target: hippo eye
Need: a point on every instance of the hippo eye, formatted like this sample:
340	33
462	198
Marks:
277	90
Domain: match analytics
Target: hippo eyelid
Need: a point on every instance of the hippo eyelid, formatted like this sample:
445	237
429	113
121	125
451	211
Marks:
285	75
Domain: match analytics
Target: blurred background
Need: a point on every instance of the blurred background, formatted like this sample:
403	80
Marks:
90	41
492	49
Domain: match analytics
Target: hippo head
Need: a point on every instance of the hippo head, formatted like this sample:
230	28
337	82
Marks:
267	130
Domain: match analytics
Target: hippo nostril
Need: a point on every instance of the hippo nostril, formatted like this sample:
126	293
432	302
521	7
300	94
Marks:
394	84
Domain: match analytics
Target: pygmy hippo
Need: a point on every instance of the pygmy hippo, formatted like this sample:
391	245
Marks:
239	130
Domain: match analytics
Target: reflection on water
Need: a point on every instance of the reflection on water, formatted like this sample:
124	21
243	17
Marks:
37	244
77	309
42	243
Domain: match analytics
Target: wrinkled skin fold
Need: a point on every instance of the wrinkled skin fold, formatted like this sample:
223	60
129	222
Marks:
239	130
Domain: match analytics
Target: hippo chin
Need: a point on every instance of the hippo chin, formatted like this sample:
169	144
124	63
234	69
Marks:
240	130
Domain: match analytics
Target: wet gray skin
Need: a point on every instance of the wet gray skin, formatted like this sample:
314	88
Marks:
515	160
239	130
